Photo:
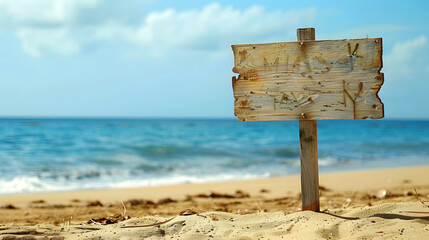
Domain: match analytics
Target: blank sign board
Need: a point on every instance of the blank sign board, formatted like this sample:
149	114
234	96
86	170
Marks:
308	80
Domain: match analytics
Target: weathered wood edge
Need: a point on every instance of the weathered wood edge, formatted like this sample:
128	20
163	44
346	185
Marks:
329	40
382	77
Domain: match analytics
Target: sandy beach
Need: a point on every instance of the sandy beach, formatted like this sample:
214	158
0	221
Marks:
368	204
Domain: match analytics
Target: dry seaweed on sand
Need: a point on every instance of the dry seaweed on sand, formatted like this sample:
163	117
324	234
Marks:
109	220
211	194
112	219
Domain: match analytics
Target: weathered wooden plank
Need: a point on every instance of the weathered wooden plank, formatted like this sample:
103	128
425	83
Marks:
309	165
312	80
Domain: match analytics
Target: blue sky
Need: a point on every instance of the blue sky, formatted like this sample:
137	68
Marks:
147	58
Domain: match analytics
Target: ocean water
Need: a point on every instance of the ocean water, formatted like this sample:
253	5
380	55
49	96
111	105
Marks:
52	155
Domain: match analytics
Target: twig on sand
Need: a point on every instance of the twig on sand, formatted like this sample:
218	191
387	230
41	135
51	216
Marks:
125	209
413	212
186	212
151	225
417	195
424	204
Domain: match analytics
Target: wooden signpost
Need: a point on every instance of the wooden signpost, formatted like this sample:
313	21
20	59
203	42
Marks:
308	80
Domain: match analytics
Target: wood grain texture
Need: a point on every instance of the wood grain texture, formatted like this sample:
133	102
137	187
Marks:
308	80
308	149
309	165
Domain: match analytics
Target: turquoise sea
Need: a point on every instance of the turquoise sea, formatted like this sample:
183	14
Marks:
52	155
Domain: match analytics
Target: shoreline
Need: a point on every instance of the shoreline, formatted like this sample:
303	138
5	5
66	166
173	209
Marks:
322	171
291	183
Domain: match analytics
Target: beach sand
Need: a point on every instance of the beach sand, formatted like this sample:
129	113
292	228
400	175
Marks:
369	204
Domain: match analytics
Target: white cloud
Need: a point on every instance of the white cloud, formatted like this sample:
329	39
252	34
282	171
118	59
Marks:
215	27
406	57
39	42
406	79
65	27
44	27
23	13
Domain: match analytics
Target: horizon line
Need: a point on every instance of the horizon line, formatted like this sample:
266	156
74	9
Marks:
174	118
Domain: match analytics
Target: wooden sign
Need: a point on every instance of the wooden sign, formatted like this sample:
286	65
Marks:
308	80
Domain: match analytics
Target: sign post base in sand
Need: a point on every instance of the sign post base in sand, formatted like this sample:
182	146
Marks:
307	81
